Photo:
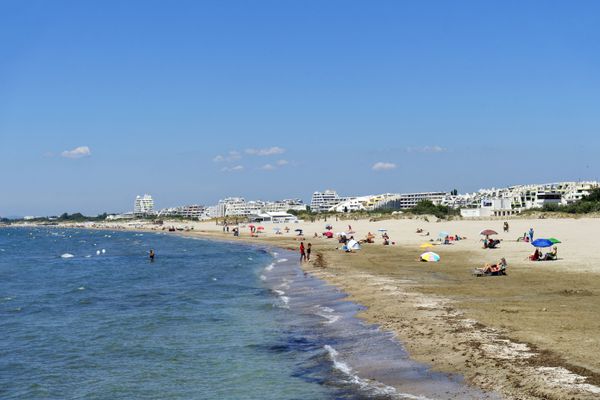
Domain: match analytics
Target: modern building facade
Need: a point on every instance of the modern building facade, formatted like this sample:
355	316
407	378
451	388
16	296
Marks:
144	205
324	201
405	201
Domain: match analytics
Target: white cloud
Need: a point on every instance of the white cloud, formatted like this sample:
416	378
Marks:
77	152
237	168
426	149
229	157
383	166
267	167
270	151
281	163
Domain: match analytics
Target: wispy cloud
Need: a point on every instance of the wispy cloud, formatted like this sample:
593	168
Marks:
269	151
383	166
229	157
267	167
77	152
237	168
281	163
426	149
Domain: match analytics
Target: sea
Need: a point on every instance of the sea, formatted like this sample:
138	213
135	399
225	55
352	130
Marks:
85	314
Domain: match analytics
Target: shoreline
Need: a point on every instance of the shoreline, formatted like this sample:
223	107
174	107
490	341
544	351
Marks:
416	304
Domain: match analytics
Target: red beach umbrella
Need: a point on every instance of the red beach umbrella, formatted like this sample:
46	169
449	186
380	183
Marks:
487	232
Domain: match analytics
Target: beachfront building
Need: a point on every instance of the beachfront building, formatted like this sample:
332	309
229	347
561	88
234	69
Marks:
325	201
405	201
491	208
144	205
192	211
116	217
284	205
512	200
239	207
361	203
523	197
274	217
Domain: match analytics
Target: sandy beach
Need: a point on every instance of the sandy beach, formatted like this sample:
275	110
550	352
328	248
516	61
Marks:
532	334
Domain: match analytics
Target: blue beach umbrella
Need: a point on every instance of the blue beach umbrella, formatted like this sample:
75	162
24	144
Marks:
443	234
542	243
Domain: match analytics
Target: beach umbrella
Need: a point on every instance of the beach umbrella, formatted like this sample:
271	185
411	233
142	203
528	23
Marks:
382	230
430	257
554	240
487	232
328	234
443	234
298	230
260	228
341	234
250	226
426	245
542	243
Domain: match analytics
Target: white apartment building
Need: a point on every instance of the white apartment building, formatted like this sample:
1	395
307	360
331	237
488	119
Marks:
144	205
192	211
284	205
324	201
409	200
514	199
239	207
522	197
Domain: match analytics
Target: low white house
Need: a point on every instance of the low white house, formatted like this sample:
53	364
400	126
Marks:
500	207
274	217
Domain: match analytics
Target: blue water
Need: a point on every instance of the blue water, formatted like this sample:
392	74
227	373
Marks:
206	320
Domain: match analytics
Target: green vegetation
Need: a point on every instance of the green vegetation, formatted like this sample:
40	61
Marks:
66	217
426	207
588	204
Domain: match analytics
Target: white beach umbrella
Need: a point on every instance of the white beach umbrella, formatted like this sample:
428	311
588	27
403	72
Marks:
353	245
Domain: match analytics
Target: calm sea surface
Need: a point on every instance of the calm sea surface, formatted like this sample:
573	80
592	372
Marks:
84	314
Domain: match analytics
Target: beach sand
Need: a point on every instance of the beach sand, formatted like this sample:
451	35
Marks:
533	334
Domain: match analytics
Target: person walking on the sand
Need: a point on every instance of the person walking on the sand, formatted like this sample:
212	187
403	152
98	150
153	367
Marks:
530	235
308	250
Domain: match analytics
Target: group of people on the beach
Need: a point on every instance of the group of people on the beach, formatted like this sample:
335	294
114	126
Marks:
305	252
538	255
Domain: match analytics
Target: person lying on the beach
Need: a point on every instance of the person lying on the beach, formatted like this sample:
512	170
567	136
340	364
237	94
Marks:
419	230
493	269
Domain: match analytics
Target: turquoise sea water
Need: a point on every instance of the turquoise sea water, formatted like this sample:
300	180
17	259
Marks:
206	320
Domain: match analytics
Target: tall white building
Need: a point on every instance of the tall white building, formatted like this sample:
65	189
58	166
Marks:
323	201
144	205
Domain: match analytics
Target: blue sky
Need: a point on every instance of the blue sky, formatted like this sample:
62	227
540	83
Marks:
362	97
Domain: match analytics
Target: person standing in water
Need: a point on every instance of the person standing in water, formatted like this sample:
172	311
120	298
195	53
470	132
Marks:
308	249
302	252
151	255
